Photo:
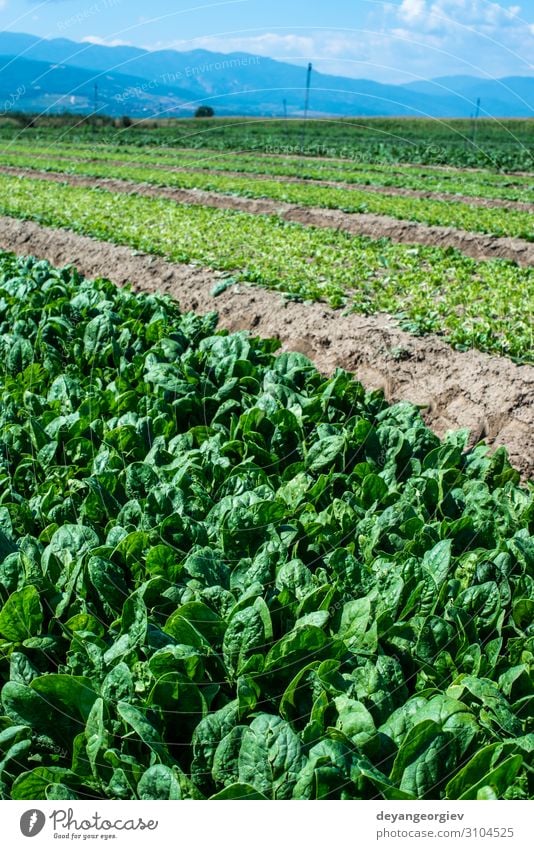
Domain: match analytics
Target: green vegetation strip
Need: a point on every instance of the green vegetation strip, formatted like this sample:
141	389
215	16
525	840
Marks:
497	222
500	144
314	167
306	167
225	576
483	185
487	305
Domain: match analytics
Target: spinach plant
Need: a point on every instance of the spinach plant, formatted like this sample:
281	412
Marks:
223	575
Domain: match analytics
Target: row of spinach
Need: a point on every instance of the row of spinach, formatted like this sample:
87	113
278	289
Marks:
224	575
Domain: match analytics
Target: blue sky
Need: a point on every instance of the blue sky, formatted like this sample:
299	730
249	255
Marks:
395	41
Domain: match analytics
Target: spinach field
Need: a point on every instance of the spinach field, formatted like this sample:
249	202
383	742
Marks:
223	575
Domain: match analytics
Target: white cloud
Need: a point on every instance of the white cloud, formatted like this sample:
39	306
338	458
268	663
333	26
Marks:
477	14
411	10
441	37
105	42
274	45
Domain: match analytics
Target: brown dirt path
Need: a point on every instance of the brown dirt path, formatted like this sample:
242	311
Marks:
490	395
476	245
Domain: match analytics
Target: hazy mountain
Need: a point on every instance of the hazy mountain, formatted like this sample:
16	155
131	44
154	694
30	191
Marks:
511	96
58	74
28	85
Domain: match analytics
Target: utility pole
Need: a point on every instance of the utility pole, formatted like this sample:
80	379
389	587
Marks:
306	102
477	113
308	81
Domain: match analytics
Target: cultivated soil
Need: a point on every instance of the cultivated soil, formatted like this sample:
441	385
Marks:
491	396
475	245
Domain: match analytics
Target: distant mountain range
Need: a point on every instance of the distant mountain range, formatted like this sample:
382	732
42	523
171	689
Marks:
60	75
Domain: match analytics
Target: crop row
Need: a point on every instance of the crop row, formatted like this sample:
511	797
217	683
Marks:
498	222
487	305
470	184
225	576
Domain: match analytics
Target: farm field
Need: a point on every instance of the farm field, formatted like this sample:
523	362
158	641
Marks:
442	250
334	602
220	209
477	184
494	144
487	394
329	582
499	221
428	285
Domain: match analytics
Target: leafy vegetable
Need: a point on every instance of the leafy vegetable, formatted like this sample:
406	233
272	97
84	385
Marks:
223	575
